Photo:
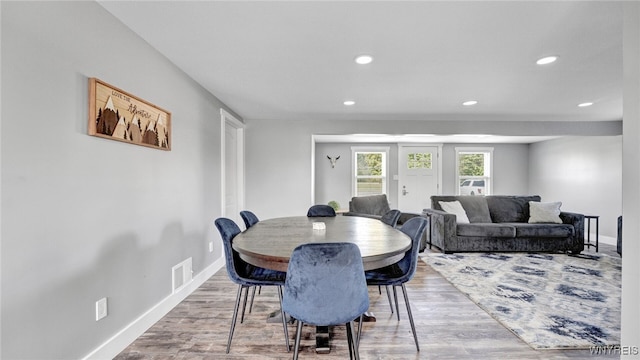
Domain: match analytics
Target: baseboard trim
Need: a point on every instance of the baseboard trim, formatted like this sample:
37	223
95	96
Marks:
127	335
603	239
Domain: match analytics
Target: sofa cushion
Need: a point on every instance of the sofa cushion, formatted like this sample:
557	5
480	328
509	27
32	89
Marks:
505	208
486	230
543	230
475	207
455	207
540	212
373	204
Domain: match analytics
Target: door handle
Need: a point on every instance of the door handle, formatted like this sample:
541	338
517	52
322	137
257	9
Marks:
404	190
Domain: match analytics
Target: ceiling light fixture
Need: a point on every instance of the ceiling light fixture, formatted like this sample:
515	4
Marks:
349	102
547	60
363	59
585	104
469	103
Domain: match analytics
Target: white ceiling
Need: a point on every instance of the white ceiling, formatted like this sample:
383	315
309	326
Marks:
294	60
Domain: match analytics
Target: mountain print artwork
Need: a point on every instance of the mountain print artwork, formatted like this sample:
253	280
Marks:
120	116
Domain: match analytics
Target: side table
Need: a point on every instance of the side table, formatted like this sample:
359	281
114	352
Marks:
588	218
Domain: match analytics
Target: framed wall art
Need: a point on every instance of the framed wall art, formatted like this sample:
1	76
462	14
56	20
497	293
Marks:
117	115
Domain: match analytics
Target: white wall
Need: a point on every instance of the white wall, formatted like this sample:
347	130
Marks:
84	217
631	181
585	173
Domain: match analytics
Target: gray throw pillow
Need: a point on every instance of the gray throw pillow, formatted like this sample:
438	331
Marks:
476	208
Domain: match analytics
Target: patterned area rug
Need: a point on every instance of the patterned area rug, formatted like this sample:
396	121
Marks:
550	301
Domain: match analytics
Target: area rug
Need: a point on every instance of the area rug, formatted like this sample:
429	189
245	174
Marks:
550	301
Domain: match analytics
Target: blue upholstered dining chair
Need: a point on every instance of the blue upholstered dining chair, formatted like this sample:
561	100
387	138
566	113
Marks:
401	272
326	286
247	275
321	211
249	218
391	217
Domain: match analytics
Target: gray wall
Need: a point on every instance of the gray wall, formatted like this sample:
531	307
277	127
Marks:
286	146
335	183
511	170
585	173
84	217
630	180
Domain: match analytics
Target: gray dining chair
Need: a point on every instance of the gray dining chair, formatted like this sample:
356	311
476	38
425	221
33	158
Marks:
325	286
321	211
247	275
400	273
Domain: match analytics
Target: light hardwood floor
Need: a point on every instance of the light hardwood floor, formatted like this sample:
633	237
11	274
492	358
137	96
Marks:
449	326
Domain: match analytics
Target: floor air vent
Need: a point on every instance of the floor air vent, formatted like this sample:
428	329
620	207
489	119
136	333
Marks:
181	275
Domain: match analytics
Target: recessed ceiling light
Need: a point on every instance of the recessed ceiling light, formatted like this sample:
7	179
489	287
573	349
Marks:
364	59
349	102
469	103
585	104
547	60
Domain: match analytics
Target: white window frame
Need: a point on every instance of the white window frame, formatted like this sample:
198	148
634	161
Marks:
385	166
488	178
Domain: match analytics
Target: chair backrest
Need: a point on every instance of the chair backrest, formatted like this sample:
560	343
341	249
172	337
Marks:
228	230
321	211
325	284
391	217
414	228
249	218
371	204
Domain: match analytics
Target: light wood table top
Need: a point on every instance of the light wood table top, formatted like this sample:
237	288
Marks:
269	243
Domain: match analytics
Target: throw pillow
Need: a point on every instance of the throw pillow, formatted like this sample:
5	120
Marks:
476	208
454	207
544	212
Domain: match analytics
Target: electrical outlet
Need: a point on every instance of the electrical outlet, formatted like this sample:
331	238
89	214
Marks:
101	308
210	246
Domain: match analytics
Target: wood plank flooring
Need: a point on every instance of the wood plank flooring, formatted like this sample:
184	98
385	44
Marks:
449	326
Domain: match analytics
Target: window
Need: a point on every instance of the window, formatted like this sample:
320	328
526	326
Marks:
369	170
473	170
419	161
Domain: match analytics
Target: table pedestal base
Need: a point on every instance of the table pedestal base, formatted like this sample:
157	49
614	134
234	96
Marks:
322	340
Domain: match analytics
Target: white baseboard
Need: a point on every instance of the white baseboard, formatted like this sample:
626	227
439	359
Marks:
603	239
126	336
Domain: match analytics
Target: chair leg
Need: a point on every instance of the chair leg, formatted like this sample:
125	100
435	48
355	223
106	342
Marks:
379	290
359	331
389	297
413	326
349	340
353	348
395	298
235	316
244	303
253	295
297	342
284	319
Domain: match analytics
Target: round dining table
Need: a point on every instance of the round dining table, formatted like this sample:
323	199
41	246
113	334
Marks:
269	243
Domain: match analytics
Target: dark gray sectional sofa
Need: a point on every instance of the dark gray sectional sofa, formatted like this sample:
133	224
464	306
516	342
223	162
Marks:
500	223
